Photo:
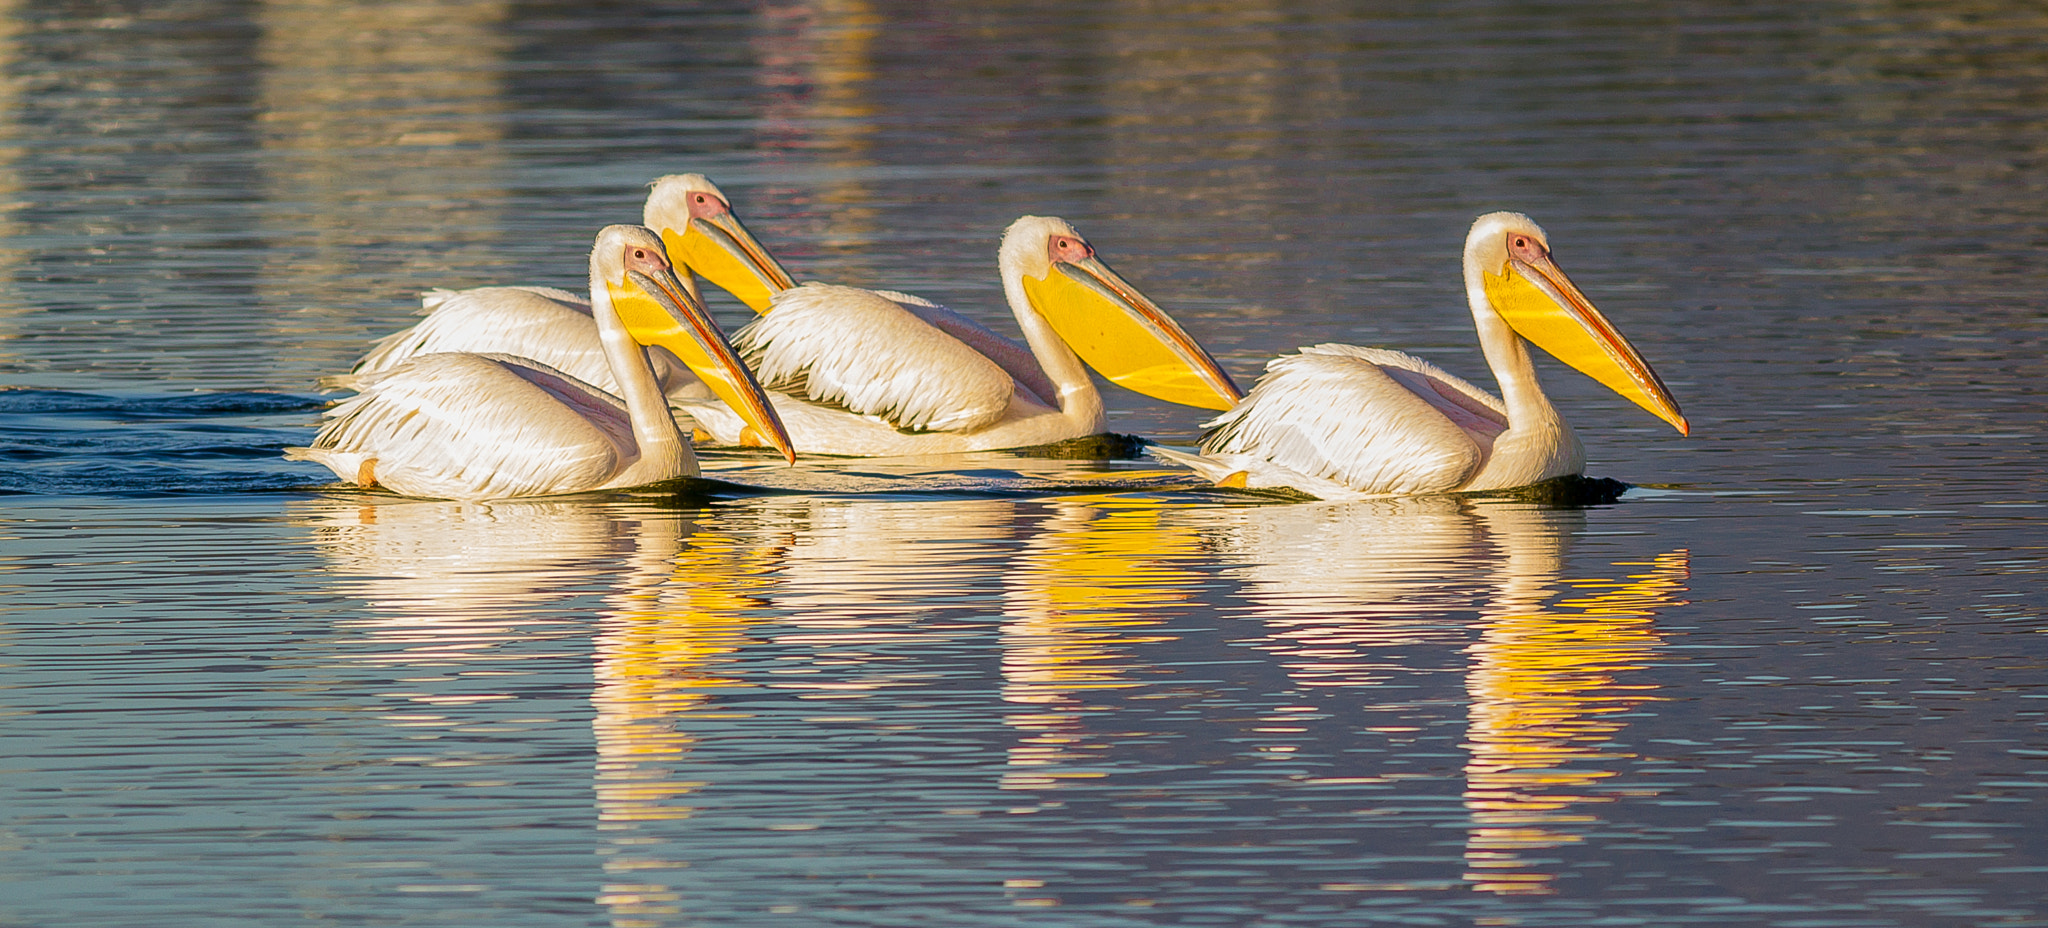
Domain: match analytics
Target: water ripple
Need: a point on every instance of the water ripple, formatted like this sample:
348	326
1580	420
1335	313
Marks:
68	443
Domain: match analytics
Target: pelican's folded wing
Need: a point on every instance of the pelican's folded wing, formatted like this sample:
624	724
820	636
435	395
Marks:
1014	357
552	327
1336	413
465	426
863	351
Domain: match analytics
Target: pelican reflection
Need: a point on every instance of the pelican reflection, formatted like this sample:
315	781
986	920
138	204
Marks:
821	598
1549	685
448	582
662	649
1360	593
1368	593
454	584
1099	577
674	597
840	583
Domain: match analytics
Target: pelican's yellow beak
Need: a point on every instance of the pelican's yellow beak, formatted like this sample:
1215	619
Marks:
1126	337
1543	306
721	249
657	310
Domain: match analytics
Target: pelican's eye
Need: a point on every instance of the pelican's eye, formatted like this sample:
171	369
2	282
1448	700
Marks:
645	260
1069	248
705	206
1525	247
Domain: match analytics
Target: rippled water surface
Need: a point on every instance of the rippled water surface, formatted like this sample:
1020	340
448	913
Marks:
1794	677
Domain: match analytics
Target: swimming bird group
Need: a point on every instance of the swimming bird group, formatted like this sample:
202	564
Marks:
524	390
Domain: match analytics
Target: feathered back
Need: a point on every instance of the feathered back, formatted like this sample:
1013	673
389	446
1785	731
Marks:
1378	421
857	349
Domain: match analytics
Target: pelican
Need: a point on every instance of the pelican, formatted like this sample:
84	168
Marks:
875	372
461	425
554	327
1343	422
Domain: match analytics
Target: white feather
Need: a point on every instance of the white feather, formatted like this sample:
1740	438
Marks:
553	327
1379	422
1014	357
471	426
867	352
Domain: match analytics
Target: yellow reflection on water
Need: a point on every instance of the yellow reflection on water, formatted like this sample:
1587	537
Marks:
1348	590
842	582
658	654
448	584
1097	577
1548	684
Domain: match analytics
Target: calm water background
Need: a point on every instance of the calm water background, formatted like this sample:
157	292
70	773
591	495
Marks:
1795	678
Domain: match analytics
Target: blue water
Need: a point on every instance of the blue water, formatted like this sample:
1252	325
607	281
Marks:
1792	677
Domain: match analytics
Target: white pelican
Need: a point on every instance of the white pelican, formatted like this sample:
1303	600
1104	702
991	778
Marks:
867	372
1342	422
460	425
554	327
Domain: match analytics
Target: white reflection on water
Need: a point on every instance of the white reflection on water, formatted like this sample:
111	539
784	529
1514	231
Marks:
856	568
1343	588
841	593
445	582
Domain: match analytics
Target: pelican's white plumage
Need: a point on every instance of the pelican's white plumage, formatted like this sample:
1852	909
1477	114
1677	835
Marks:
487	426
822	339
700	233
1338	421
480	426
866	372
551	326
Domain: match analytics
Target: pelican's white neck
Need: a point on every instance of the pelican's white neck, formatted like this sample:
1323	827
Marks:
1024	252
654	427
1538	443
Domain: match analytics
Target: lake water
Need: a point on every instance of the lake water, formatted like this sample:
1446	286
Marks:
1797	676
